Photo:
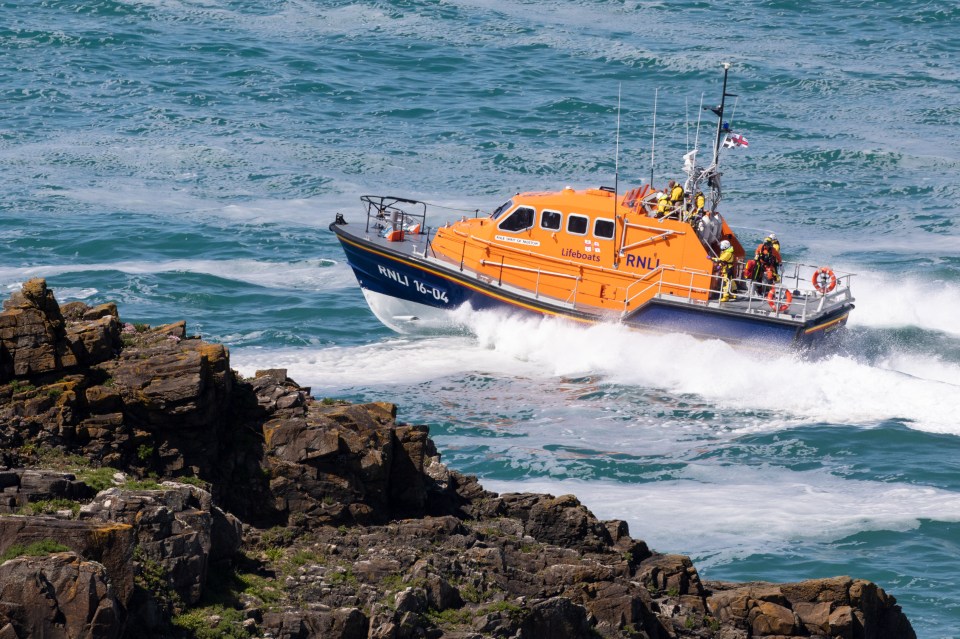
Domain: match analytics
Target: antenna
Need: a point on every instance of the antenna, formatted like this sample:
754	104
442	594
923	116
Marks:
616	180
696	139
616	159
653	141
734	113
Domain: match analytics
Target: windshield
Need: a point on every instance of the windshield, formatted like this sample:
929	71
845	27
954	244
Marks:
503	207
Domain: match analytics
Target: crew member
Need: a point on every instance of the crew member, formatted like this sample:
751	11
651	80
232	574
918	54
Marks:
767	267
768	253
776	243
725	265
663	206
676	197
696	209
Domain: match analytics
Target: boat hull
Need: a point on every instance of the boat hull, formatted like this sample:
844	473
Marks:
406	292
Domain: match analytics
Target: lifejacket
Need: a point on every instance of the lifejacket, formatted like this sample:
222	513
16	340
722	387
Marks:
676	195
663	206
725	260
700	202
768	255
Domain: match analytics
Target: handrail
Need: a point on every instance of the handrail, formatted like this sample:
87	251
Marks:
806	299
649	240
539	272
631	225
388	209
529	270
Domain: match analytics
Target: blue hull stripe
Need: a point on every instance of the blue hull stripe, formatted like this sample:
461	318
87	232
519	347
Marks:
397	275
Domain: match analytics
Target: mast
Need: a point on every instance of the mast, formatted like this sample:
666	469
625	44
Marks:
719	112
653	140
712	173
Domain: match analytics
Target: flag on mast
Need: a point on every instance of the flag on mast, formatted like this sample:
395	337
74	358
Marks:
734	140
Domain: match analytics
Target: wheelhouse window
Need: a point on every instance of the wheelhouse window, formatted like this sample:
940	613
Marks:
550	220
577	224
603	229
519	220
500	209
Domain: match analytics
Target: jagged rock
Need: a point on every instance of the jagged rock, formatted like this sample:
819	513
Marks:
341	623
171	384
173	526
18	487
35	339
557	617
373	536
338	464
563	520
835	607
670	574
108	543
59	596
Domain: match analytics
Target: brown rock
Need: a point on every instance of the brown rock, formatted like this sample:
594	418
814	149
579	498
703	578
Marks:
670	574
834	590
842	623
60	596
771	619
557	617
173	527
815	617
563	520
109	543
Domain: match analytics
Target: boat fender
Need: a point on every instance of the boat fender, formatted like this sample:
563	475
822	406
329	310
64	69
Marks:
824	280
780	299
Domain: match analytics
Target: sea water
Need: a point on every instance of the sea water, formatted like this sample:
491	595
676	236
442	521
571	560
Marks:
184	159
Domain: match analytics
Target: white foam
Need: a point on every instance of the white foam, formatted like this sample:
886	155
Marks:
315	275
395	361
787	390
885	301
737	511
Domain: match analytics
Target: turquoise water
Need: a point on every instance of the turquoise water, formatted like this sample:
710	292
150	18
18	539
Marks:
185	158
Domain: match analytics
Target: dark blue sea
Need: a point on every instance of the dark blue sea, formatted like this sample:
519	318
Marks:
184	159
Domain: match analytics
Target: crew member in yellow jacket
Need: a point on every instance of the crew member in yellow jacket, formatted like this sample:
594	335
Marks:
725	263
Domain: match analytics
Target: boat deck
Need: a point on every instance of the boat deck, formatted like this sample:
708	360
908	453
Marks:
803	307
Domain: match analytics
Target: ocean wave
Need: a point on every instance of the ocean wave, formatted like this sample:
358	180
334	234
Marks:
314	275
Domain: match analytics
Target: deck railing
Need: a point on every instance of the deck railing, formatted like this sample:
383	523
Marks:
664	281
804	297
386	212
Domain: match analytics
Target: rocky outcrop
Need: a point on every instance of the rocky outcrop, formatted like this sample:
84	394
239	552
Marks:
35	338
839	607
353	526
59	596
173	528
20	487
110	544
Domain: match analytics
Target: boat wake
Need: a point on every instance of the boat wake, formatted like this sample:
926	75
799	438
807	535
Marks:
893	382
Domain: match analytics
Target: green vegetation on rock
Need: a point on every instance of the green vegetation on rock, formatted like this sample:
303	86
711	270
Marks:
36	549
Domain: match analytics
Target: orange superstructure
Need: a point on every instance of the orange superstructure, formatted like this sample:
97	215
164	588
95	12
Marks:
584	247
